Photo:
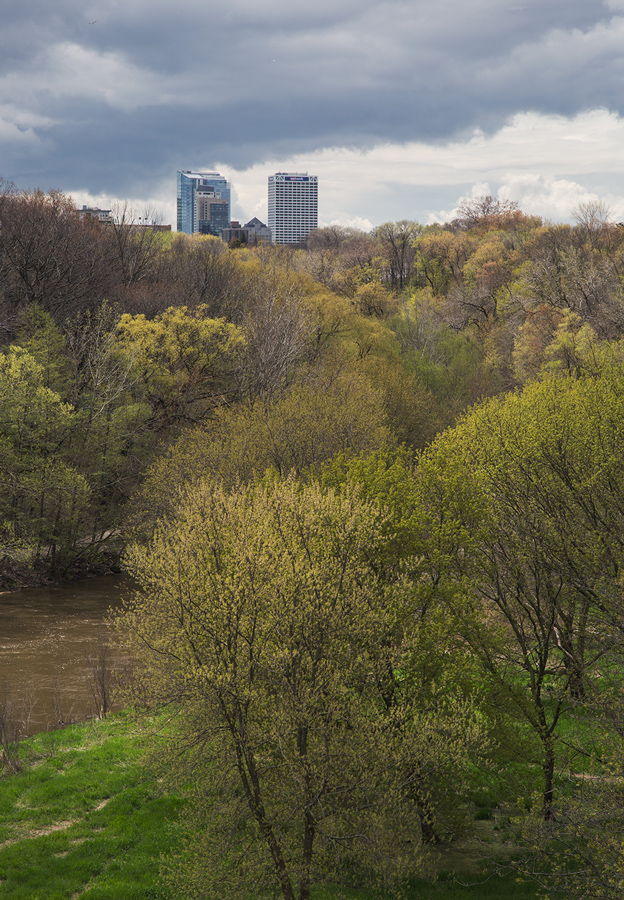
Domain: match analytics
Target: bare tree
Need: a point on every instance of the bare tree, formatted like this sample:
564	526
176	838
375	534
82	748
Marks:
278	329
343	259
49	255
580	271
592	215
397	241
203	271
329	238
135	241
485	211
102	678
10	731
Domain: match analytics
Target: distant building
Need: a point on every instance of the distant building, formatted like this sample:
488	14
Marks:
152	226
105	217
254	232
212	213
93	212
293	206
203	202
234	232
257	232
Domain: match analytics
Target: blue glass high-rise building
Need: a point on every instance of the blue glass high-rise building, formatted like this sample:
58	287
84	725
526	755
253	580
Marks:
201	206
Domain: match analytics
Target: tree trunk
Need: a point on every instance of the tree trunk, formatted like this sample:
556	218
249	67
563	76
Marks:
306	863
548	768
251	785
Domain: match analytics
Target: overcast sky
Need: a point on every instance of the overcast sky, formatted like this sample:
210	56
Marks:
400	108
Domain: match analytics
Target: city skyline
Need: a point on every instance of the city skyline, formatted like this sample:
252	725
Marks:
401	109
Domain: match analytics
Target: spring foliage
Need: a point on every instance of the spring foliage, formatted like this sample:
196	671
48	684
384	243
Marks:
261	615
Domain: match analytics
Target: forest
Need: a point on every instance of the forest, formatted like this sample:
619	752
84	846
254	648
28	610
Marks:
372	493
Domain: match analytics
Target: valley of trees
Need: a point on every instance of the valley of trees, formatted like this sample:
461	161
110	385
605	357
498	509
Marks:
372	491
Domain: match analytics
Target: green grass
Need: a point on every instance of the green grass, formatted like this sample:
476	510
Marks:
85	819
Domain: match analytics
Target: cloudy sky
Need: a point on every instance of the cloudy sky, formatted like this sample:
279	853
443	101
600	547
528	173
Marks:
400	108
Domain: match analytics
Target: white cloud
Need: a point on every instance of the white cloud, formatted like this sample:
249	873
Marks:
10	133
20	126
545	163
543	195
77	71
353	222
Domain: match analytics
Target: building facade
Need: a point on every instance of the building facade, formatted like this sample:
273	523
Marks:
293	206
105	216
253	232
257	232
203	202
234	232
212	212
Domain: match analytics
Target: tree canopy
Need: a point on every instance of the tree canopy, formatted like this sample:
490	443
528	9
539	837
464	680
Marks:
261	614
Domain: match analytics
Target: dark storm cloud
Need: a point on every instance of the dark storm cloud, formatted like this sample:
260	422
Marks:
113	95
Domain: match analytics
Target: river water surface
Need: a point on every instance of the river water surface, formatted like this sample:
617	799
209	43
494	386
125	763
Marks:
47	636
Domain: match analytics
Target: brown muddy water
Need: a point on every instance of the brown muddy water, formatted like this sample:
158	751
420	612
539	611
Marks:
48	647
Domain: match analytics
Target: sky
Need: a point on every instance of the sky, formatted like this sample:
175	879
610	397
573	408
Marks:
403	109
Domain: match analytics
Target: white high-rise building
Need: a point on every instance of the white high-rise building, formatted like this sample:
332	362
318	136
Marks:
293	206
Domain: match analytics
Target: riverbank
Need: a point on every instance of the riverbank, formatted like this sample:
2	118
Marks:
17	575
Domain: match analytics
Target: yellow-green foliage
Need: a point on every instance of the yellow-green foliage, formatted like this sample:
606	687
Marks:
291	432
299	674
524	502
182	358
42	498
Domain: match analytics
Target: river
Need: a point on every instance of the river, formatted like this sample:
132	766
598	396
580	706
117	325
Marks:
47	636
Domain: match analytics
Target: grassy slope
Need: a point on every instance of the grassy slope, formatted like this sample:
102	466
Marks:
85	820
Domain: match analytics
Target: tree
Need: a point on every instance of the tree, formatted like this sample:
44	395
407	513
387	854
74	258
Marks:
49	255
183	359
453	367
533	339
136	243
409	406
487	212
555	342
577	270
261	618
373	299
277	326
525	512
397	240
437	662
440	257
43	499
343	259
291	432
580	854
111	442
196	271
592	217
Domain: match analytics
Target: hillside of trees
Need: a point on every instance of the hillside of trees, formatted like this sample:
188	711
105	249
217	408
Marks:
373	493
